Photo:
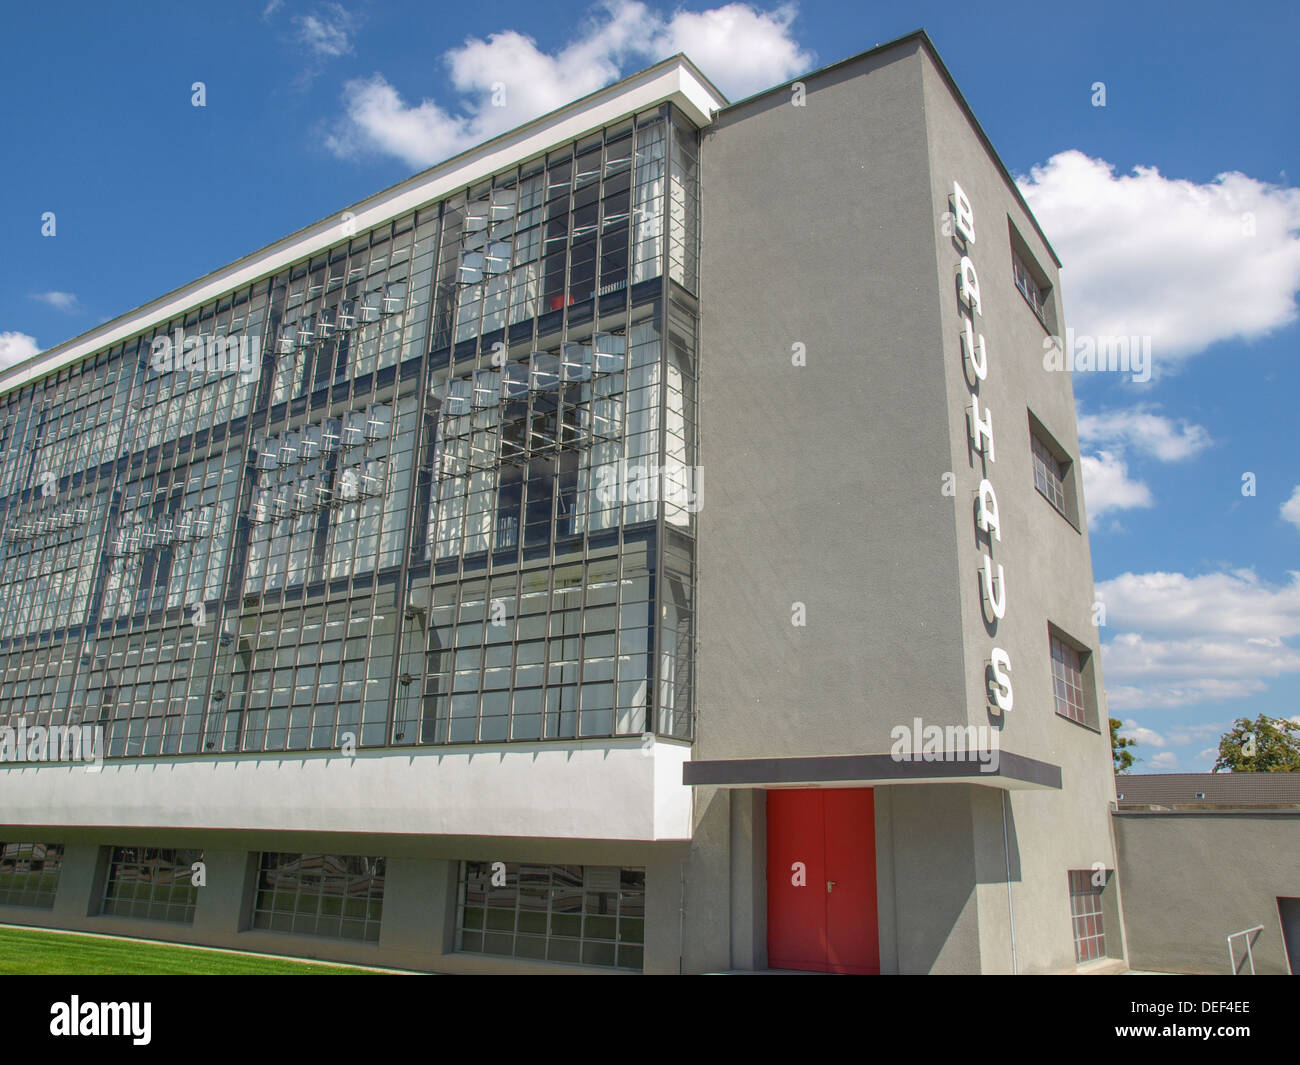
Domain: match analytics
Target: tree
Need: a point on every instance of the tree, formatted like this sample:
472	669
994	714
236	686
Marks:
1267	745
1119	747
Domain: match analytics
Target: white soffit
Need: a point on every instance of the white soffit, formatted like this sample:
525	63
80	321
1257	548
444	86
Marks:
675	80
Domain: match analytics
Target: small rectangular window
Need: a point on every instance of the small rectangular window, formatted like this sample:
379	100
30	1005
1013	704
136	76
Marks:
1055	474
1029	287
1068	681
1049	476
1031	279
1086	915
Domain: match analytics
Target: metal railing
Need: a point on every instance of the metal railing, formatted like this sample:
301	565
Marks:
1250	957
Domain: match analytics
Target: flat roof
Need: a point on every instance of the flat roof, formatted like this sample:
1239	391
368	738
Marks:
676	80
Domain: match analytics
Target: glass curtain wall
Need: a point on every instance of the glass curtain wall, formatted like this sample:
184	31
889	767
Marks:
420	488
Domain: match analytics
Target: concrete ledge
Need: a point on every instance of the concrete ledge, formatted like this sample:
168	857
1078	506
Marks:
867	770
618	789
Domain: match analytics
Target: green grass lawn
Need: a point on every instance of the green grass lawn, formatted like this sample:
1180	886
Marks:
36	953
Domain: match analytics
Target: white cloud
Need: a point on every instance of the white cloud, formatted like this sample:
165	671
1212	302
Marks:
1187	264
1185	735
327	34
506	80
271	8
1291	508
60	301
15	347
1145	673
1144	430
741	49
1235	603
1132	730
1186	640
1165	760
1106	485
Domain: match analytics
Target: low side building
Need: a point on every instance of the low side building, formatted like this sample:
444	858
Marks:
1203	856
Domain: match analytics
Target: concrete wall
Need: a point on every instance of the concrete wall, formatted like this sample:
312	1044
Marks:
823	479
582	789
1192	878
822	226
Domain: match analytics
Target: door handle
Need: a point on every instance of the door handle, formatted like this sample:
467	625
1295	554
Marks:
830	886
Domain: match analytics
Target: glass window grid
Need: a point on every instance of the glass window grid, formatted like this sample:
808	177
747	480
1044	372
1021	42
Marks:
555	234
149	691
306	679
171	537
330	497
1086	916
325	895
1049	473
1067	681
578	915
29	874
40	687
162	409
684	207
498	454
571	655
45	428
49	558
151	884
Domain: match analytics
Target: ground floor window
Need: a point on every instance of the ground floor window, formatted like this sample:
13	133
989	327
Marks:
152	883
581	914
1085	912
330	895
29	874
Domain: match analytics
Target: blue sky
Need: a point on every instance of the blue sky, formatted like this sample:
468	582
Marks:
310	107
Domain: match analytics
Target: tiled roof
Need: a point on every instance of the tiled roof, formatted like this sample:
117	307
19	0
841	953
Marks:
1207	789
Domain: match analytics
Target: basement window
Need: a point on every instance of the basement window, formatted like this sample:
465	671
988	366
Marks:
29	874
575	914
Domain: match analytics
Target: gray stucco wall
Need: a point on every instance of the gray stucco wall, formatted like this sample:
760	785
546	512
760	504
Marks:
1046	560
1191	879
825	487
822	480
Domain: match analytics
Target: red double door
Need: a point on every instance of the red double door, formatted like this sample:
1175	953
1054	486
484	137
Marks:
821	880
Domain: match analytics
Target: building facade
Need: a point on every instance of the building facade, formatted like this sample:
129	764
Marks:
381	564
1211	867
